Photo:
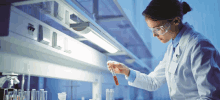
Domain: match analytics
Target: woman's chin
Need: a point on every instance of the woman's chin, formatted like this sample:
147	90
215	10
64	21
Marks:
163	41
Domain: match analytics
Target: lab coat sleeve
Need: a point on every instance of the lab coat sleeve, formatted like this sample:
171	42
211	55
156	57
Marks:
152	81
132	75
205	69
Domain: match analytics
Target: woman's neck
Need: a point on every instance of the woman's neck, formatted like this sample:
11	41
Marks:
178	28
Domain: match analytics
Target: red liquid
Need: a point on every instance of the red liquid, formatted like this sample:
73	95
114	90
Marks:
116	80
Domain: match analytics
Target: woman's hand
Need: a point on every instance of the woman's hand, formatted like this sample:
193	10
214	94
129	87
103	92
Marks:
118	68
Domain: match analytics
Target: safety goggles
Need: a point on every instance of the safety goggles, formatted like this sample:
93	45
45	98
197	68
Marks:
161	30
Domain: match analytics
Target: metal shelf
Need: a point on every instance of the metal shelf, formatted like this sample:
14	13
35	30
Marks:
84	17
20	53
27	47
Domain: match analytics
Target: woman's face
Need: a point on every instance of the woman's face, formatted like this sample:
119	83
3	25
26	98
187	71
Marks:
163	38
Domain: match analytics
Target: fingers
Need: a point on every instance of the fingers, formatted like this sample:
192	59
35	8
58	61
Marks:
111	65
116	66
111	62
108	62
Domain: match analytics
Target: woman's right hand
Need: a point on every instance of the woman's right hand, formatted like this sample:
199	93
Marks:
118	68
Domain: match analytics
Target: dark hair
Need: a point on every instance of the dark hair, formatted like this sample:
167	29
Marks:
166	9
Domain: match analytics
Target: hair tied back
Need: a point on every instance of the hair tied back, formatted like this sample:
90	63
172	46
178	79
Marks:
186	7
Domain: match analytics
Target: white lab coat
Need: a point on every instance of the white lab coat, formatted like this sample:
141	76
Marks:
192	73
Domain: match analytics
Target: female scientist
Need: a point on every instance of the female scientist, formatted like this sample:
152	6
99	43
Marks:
191	63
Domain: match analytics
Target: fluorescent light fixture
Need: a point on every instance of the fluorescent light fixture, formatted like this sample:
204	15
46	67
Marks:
100	42
89	31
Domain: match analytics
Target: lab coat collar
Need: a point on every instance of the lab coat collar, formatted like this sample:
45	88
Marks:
175	42
186	30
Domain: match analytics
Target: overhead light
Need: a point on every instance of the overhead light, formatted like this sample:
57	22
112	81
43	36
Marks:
90	32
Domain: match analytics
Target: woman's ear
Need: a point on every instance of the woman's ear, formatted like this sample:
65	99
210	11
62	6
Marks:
177	20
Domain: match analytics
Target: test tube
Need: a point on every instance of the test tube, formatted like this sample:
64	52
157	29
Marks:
5	94
24	95
33	93
28	84
22	83
45	95
15	94
10	94
37	96
6	97
111	94
107	94
28	95
114	76
19	95
41	94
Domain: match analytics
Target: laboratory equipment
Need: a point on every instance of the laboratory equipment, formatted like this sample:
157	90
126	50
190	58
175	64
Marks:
24	95
37	96
33	93
45	95
28	84
62	96
114	76
15	94
5	96
107	94
10	77
19	95
28	95
111	94
41	94
10	94
22	83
